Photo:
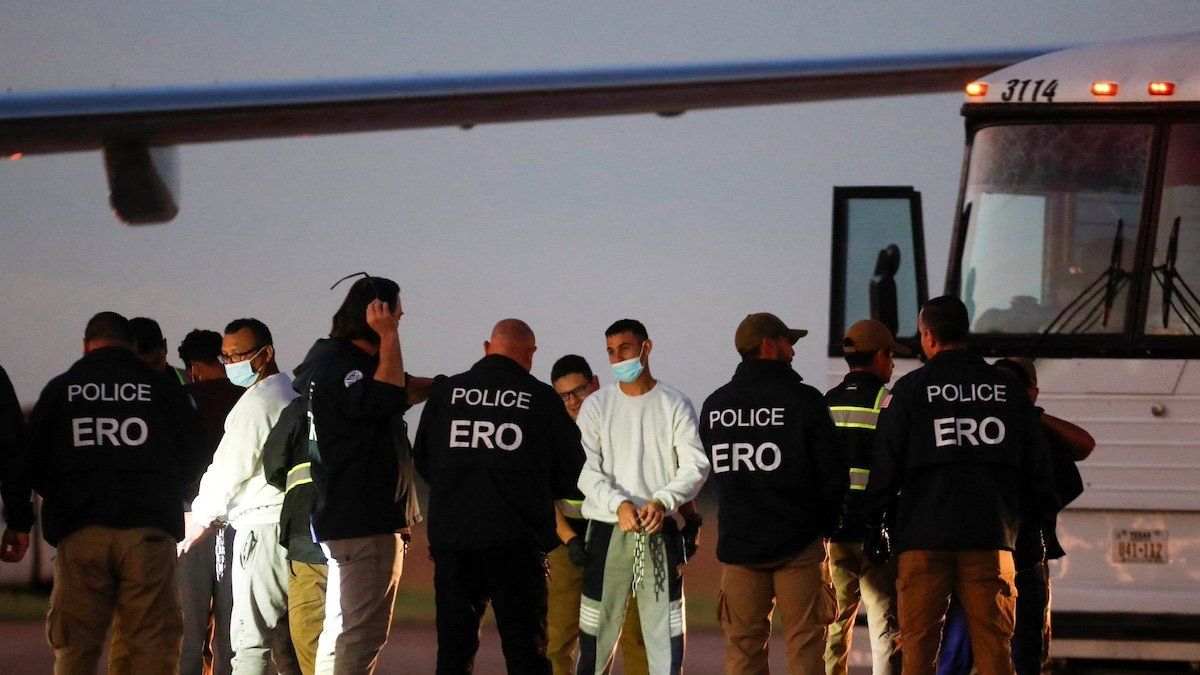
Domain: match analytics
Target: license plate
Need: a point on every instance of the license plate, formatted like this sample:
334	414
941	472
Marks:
1139	546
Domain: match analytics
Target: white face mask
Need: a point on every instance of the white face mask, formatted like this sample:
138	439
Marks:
242	373
630	369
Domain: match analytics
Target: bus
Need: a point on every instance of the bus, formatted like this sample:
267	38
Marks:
1076	242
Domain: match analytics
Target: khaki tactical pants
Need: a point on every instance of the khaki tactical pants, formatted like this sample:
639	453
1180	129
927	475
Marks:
858	581
100	572
306	610
364	574
984	583
566	584
804	591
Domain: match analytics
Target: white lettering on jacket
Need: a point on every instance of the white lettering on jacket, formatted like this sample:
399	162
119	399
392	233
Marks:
109	391
966	393
108	431
750	417
739	456
966	431
491	398
484	434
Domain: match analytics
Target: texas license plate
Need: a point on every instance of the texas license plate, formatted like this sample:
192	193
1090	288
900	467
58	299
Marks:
1139	546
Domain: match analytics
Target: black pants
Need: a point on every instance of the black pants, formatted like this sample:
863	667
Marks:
1029	646
515	582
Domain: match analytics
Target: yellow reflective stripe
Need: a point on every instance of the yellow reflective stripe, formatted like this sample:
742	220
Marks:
299	475
571	508
854	417
858	478
879	398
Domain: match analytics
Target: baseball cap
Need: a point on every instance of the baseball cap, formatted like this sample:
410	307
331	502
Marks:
755	327
870	335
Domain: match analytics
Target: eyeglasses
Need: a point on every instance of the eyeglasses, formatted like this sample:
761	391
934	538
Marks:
226	359
578	392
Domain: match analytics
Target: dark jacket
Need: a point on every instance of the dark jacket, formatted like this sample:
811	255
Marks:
214	399
113	445
497	447
287	467
779	480
14	460
961	445
361	459
1038	540
854	405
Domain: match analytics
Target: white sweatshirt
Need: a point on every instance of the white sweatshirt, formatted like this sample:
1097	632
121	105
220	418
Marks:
234	487
639	448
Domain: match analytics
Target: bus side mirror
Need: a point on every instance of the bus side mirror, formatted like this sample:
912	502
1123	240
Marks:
882	288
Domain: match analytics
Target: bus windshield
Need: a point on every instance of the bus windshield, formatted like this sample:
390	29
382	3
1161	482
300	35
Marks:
1051	214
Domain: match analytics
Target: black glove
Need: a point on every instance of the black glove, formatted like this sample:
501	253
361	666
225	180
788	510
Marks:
691	535
577	552
877	545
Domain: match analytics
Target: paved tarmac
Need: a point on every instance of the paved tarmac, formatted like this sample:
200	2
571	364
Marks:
23	649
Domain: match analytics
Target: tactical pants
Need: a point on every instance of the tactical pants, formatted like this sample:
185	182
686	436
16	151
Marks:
102	571
364	574
260	605
804	591
858	581
306	610
983	581
515	582
616	561
562	621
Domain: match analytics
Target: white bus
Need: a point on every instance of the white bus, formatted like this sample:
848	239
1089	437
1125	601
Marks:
1077	241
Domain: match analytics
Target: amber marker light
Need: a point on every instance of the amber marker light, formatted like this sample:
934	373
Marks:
976	89
16	155
1161	88
1104	88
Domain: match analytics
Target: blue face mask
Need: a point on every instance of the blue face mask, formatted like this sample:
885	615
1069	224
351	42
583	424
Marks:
242	373
630	369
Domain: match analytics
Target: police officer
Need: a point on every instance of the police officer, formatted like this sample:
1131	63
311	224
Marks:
780	484
14	475
959	453
868	347
112	448
497	448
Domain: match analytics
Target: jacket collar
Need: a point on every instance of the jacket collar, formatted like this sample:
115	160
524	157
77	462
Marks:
497	362
761	369
957	356
864	377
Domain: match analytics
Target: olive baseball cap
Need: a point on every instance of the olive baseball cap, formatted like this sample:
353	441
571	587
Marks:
870	335
755	327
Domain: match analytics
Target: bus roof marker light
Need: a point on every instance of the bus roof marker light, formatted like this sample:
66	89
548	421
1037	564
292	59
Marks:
1158	88
976	89
1104	88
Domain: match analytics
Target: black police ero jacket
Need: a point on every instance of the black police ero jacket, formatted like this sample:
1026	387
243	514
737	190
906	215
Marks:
497	447
774	460
112	444
855	407
361	469
961	443
287	467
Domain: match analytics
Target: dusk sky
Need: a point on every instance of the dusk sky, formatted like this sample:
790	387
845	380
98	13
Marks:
687	223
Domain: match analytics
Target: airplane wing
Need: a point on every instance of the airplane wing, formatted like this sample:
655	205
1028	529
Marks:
134	126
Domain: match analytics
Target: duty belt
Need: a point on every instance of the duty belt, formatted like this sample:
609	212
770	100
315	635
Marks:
571	508
299	475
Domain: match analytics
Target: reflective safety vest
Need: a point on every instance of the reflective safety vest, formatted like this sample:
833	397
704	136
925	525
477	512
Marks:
858	417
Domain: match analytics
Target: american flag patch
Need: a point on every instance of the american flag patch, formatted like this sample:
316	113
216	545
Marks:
886	400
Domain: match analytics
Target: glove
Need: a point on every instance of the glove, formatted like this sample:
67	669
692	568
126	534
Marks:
577	552
691	536
877	545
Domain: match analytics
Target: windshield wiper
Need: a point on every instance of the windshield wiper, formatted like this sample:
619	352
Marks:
1105	288
1172	284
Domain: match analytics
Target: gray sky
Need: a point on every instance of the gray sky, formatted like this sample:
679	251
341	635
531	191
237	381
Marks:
687	223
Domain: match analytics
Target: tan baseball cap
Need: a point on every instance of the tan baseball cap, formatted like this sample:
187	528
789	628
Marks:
755	327
870	335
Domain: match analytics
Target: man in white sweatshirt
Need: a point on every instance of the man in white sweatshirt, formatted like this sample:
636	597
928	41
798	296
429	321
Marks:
644	460
235	489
